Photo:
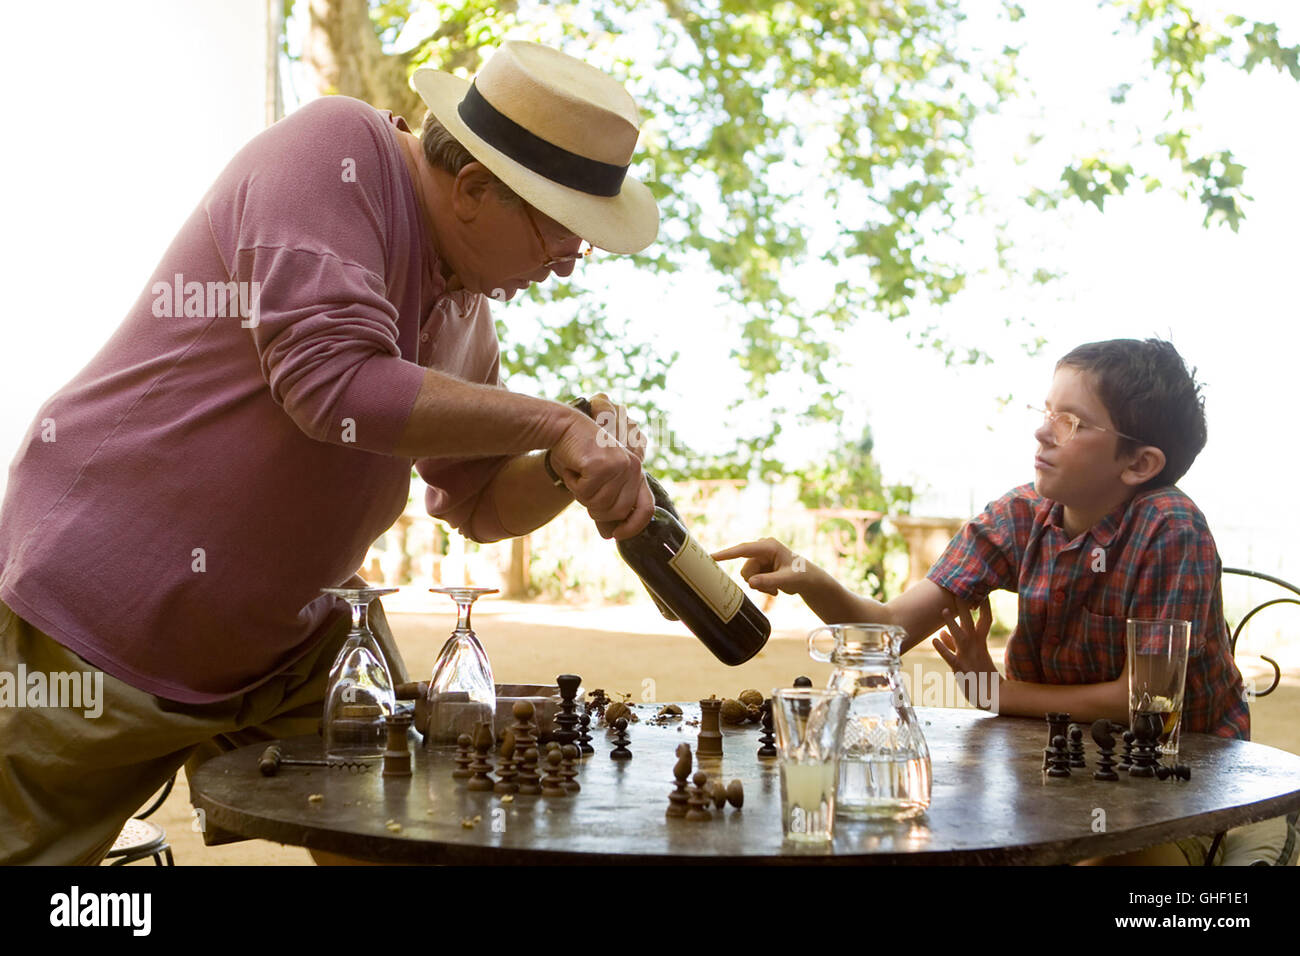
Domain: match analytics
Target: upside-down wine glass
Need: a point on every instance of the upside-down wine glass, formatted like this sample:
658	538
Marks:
360	690
462	691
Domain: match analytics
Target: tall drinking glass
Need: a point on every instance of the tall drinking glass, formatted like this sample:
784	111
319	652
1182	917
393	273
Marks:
462	692
809	730
1157	676
360	689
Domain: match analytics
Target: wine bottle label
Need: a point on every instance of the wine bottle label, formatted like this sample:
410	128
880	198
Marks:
714	586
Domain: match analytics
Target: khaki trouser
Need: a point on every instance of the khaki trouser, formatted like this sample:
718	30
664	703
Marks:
69	780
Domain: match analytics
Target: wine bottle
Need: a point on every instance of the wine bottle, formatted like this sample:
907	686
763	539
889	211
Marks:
682	576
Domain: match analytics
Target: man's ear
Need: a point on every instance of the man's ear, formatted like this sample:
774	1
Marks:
1148	461
470	190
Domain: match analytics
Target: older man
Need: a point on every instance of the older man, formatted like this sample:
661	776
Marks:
319	323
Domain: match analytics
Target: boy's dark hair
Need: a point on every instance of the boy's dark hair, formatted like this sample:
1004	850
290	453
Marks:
1149	393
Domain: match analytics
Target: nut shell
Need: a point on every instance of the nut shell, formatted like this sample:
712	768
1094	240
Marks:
751	698
734	712
616	710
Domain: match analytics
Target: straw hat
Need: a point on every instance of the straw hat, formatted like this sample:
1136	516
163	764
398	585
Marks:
557	131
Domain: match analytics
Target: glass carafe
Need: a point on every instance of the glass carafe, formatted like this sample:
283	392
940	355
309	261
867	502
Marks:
884	760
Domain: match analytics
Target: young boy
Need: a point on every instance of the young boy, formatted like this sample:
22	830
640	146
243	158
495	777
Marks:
1101	535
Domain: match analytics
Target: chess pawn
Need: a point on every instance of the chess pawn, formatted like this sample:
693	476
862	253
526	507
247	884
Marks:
697	803
508	771
463	759
528	779
678	799
1126	759
584	735
620	751
718	793
481	767
1076	747
553	783
1060	758
569	767
767	739
709	742
522	728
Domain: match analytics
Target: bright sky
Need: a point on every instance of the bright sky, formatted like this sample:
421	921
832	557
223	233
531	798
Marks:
164	93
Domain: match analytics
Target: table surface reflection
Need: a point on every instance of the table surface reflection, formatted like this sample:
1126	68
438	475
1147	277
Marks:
991	803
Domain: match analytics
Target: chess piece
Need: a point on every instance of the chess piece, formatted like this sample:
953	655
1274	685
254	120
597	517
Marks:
709	742
463	759
553	782
697	803
481	767
1145	755
569	754
767	739
567	719
1163	772
803	682
717	792
1057	726
1126	758
522	728
736	794
1105	741
1060	758
1182	771
397	758
584	735
620	751
1076	747
529	781
677	800
509	766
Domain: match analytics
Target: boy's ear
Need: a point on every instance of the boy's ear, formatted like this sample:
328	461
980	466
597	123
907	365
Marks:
1148	461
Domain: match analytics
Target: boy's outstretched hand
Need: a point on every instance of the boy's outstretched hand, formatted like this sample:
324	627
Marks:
964	645
771	567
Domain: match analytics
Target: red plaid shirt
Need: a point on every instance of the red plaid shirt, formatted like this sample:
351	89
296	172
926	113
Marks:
1152	558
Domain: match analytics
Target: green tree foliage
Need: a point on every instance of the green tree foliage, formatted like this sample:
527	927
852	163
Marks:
814	158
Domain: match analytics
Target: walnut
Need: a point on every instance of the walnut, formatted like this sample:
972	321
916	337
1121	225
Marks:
670	710
751	698
734	712
616	710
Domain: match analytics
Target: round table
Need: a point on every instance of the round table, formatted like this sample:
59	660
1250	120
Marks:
991	803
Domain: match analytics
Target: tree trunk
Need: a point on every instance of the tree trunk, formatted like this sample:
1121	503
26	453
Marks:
344	52
518	578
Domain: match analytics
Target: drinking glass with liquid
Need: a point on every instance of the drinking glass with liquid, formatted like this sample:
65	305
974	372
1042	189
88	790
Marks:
809	727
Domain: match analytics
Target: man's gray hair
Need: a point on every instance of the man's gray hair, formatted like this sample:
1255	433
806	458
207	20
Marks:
444	151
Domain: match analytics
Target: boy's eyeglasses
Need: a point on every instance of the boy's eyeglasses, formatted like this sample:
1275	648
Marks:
1065	425
550	259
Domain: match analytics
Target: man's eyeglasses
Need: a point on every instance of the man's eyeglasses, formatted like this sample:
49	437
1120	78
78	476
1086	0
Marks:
1064	426
550	259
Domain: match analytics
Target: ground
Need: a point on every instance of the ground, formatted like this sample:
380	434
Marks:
630	650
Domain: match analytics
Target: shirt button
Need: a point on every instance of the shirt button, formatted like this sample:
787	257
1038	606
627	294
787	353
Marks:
424	336
1058	596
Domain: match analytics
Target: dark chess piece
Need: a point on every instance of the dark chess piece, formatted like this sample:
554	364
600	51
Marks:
567	719
1060	758
679	798
1146	729
1163	772
481	767
803	682
569	755
709	741
698	802
553	782
767	739
463	758
620	751
1076	747
1105	741
1126	759
529	781
584	735
1182	771
508	769
1057	726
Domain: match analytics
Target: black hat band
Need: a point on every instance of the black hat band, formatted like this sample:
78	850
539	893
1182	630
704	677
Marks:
532	152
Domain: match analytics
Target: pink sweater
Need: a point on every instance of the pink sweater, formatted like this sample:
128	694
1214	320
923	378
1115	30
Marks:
178	505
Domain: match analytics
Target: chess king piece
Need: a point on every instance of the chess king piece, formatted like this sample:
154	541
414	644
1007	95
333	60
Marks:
679	799
620	751
709	742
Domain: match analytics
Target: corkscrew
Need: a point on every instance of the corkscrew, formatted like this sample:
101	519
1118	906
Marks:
273	759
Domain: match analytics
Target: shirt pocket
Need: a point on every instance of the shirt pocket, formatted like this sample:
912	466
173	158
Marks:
1104	645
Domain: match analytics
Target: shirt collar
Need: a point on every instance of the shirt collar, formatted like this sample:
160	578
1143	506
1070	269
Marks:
1103	532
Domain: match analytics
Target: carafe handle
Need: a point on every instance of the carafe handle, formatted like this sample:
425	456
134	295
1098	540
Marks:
813	652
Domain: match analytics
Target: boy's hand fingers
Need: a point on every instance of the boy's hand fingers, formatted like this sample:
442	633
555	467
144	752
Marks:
949	657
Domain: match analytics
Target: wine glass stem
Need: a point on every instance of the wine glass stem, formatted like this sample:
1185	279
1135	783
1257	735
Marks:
359	613
462	613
